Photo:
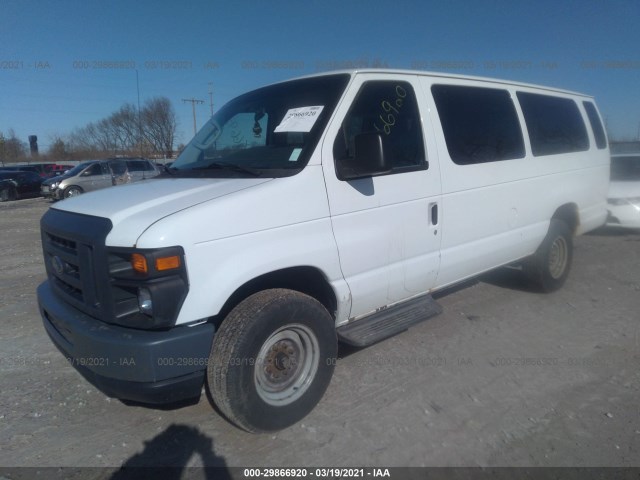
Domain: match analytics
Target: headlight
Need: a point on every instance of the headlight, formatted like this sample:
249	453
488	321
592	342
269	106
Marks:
145	303
54	185
147	286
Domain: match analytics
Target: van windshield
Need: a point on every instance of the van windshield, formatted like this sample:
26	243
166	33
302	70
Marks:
269	132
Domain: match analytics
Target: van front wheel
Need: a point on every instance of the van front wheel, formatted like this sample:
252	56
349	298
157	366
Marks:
272	360
549	266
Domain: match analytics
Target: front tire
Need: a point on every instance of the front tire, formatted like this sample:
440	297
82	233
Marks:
549	267
72	191
7	194
272	360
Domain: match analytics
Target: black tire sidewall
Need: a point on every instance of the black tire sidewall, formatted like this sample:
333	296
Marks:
69	189
253	412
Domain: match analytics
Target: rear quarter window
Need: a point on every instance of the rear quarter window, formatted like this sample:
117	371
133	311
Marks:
596	124
554	123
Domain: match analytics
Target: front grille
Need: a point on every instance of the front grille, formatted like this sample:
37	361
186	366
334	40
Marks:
61	256
74	253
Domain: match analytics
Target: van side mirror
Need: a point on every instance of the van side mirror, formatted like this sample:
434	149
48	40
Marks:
369	159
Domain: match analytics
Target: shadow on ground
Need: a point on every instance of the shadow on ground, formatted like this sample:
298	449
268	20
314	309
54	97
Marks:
168	454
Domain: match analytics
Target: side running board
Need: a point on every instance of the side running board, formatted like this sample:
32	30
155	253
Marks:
388	322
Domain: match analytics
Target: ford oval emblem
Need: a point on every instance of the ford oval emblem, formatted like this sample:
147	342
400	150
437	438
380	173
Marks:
57	264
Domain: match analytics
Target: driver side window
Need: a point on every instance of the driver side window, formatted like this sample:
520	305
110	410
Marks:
390	109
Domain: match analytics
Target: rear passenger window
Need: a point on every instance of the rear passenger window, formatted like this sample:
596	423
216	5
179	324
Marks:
138	166
389	108
596	124
554	123
480	124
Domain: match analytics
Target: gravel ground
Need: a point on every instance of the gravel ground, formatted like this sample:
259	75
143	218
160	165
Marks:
504	377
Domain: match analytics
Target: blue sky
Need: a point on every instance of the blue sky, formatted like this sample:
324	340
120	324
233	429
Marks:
58	73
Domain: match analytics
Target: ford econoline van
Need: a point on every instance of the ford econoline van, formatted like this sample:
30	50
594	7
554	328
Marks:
322	209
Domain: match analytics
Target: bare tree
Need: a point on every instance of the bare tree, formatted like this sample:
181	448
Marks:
124	127
126	132
159	124
58	149
12	149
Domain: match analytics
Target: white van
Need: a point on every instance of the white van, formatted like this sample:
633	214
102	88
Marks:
315	210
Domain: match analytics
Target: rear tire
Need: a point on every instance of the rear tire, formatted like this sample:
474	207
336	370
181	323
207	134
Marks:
7	194
549	267
272	360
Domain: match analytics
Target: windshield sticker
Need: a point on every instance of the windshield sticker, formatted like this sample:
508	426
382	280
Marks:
299	119
295	154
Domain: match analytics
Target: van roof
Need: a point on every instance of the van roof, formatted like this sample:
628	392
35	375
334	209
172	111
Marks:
496	81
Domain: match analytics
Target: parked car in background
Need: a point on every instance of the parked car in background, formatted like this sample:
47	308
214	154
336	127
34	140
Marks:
98	174
19	184
41	169
624	191
21	168
56	170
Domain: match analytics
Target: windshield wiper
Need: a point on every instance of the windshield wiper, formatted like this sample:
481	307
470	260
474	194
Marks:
234	167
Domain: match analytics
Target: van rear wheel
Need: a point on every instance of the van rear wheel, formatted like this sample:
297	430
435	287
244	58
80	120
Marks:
549	267
272	360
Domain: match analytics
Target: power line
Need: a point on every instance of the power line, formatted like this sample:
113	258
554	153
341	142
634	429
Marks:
193	106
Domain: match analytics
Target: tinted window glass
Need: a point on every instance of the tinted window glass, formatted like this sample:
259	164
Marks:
390	109
95	169
555	124
139	166
625	168
271	131
118	167
479	124
596	124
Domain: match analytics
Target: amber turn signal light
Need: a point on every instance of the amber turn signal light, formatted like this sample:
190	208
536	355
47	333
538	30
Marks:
139	263
167	263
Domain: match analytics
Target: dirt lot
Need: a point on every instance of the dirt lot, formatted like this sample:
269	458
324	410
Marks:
504	377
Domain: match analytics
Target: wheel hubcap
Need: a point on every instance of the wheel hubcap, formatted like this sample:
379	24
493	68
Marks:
287	364
558	257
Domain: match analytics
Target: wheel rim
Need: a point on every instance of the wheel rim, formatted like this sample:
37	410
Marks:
558	257
286	365
73	192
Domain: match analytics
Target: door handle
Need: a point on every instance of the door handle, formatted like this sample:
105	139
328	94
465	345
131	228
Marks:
434	214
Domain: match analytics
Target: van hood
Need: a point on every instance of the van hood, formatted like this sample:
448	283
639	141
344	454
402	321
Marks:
141	204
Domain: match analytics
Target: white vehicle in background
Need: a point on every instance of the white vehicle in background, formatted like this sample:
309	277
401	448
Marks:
319	209
624	191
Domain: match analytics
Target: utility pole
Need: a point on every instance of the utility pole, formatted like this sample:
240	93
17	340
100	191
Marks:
193	106
139	119
211	97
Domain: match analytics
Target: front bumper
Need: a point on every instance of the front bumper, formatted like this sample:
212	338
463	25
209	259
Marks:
139	365
624	216
48	192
